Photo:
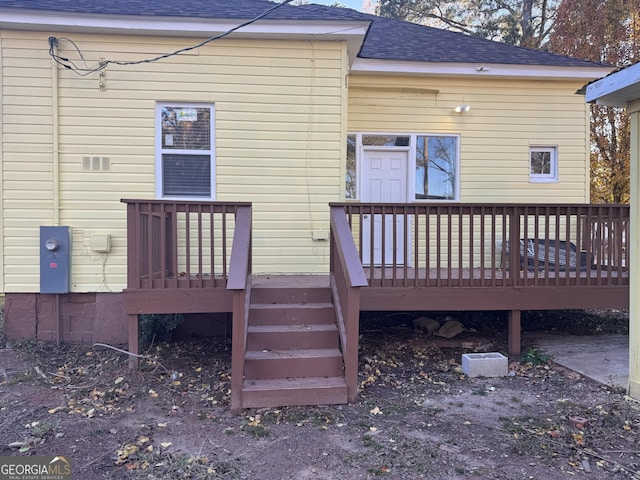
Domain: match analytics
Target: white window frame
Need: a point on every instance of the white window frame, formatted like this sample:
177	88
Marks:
160	151
411	180
552	176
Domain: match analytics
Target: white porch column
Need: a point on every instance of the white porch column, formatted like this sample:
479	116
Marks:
634	246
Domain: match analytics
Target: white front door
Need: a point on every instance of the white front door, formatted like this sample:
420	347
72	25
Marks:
384	180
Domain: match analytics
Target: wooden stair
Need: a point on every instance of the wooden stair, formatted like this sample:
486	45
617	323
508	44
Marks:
293	355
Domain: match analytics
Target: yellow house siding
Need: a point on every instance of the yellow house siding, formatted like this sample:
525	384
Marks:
281	116
1	170
506	117
278	133
26	157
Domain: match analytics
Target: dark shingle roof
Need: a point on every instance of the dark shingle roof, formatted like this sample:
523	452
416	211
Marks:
386	39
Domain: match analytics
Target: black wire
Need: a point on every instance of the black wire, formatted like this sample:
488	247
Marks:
70	65
65	62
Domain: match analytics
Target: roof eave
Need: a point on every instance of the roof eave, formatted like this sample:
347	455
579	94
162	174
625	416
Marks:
364	66
352	32
616	90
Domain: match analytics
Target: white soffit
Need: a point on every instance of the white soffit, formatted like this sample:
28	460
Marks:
372	66
616	90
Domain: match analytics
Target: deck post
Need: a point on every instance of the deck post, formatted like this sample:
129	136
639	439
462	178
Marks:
353	340
514	332
134	341
238	347
514	248
239	281
634	246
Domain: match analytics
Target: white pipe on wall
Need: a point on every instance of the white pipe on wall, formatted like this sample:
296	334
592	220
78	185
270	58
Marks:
55	112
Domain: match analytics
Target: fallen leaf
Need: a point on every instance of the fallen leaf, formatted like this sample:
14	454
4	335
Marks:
124	453
166	444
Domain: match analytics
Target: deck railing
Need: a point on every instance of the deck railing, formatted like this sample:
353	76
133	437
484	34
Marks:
490	245
180	244
346	277
239	282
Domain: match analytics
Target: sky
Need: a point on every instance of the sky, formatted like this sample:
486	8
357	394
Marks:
355	4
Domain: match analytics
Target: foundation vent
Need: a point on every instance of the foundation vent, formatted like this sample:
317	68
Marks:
96	163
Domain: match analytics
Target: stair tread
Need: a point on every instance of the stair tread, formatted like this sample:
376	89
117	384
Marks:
288	328
294	383
291	281
266	306
292	353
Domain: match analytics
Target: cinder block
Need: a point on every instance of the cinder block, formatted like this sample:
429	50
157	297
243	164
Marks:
492	364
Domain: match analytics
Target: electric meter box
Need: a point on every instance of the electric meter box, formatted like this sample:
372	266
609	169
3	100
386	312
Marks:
55	259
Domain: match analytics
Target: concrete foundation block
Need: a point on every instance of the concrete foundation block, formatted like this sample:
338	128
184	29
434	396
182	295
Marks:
492	364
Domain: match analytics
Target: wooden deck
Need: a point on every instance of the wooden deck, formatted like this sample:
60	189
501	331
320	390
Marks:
463	290
569	256
189	257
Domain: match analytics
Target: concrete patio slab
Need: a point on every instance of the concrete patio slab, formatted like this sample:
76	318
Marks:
603	358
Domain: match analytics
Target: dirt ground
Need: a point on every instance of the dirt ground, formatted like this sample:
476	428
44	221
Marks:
417	416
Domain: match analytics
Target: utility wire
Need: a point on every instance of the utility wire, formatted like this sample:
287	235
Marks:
86	70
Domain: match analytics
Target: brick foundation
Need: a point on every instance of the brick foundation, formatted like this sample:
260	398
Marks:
91	318
85	317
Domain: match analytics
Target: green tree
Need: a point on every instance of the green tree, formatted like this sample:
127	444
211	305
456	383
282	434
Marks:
526	23
605	31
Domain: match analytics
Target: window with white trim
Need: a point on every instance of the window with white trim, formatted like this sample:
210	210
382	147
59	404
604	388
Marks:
185	160
436	167
434	163
543	164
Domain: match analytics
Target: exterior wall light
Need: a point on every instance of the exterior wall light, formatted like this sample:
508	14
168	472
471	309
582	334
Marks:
462	108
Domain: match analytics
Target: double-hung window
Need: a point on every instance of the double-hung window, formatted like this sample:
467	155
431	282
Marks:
185	163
